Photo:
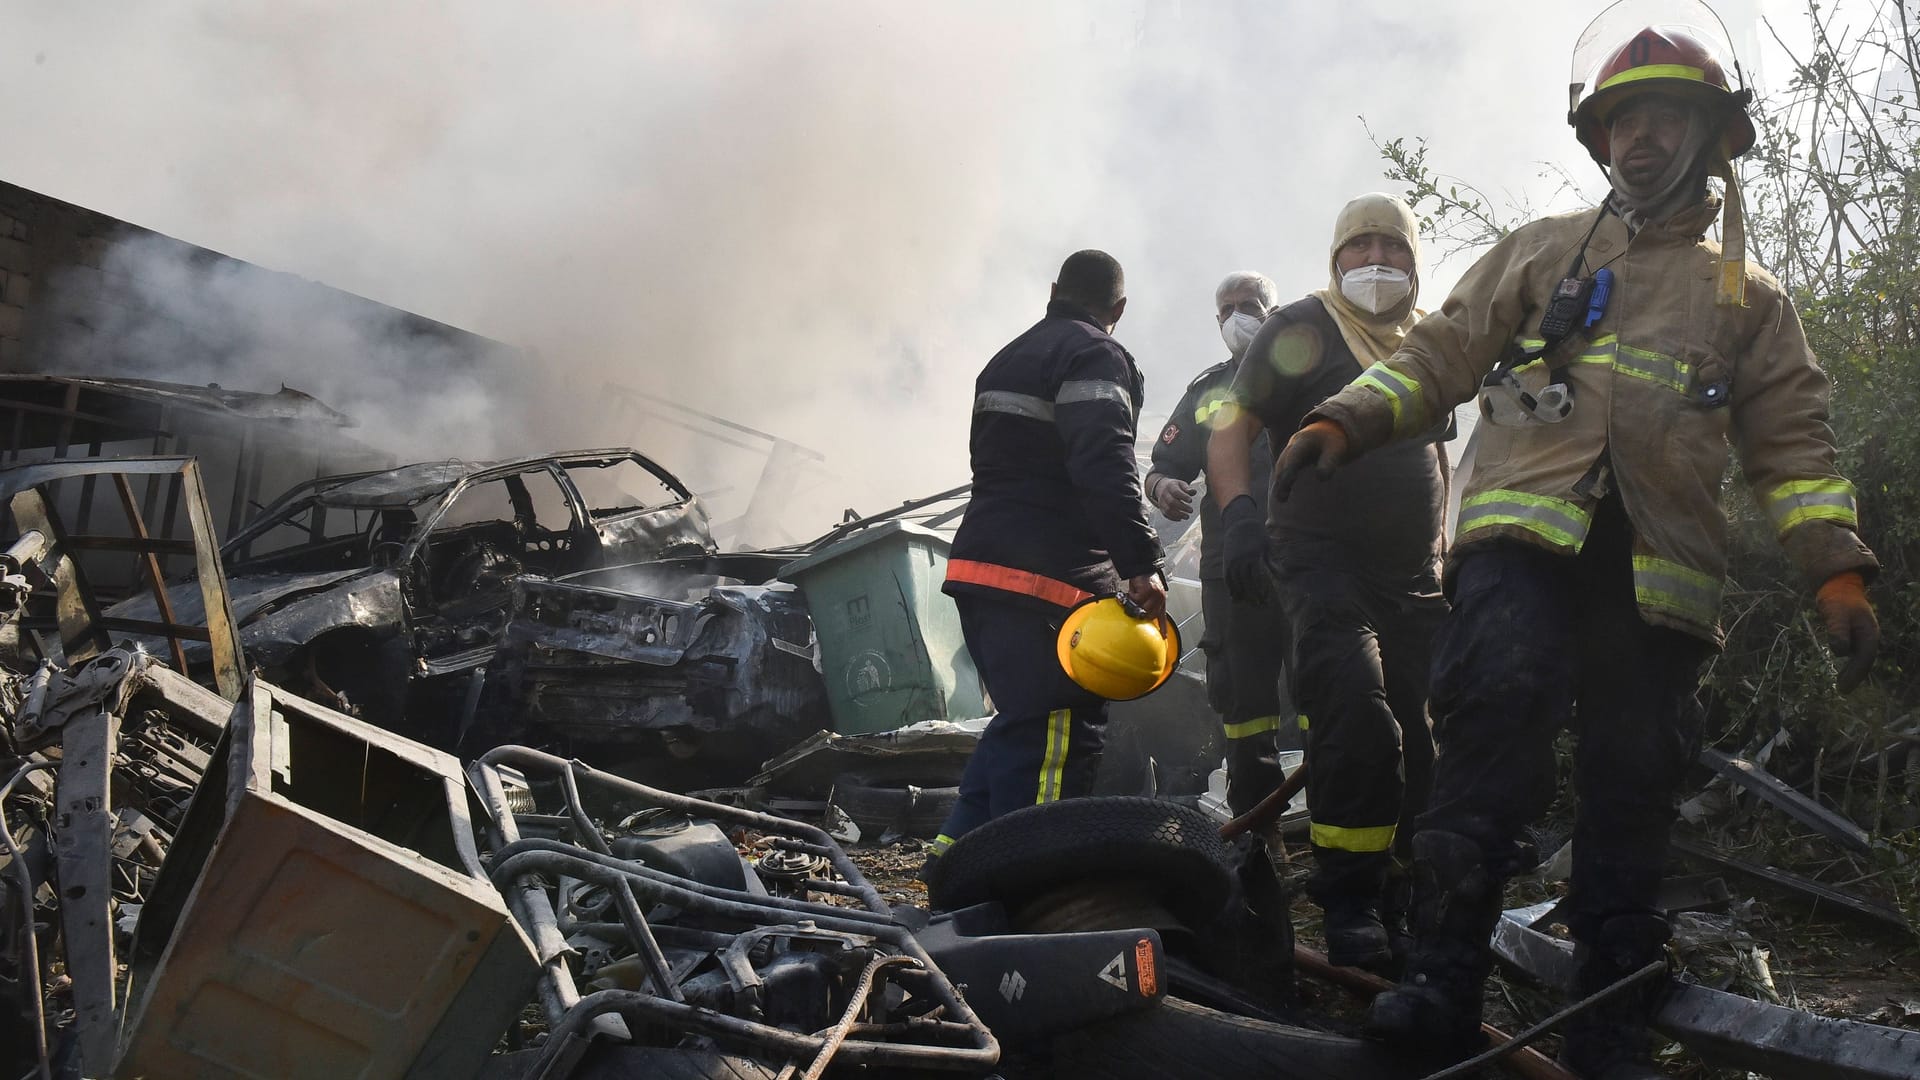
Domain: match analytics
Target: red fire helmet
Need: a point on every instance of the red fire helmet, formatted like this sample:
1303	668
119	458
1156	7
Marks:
1663	60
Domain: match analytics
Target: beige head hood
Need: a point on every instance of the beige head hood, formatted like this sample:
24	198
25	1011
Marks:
1372	337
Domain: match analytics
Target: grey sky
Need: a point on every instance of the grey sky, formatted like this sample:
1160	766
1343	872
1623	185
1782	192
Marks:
818	218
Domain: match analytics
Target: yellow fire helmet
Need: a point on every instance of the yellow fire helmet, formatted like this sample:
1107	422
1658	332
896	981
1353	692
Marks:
1107	650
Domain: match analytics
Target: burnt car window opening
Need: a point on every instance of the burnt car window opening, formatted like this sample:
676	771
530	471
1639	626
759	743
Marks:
315	537
531	497
620	486
492	532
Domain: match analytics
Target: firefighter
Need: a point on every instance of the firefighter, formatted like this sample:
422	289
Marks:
1246	644
1056	517
1353	563
1617	353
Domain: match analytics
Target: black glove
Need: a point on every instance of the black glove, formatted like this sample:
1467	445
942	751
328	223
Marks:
1245	546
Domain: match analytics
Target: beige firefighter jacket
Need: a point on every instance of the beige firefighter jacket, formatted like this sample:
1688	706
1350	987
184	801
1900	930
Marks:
1663	384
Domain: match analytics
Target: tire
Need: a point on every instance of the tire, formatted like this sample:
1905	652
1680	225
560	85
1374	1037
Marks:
1179	1038
878	803
1037	849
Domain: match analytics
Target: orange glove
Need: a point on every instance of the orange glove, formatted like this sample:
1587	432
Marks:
1321	444
1852	631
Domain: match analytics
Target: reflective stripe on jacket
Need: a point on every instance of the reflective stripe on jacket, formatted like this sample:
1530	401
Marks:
1010	579
1056	489
1663	385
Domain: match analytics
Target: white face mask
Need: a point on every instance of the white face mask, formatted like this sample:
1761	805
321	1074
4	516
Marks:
1238	331
1376	288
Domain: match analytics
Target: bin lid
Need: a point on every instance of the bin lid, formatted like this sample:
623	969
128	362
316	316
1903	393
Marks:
866	537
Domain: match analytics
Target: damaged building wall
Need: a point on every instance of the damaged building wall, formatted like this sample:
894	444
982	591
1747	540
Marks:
87	294
17	273
74	282
214	342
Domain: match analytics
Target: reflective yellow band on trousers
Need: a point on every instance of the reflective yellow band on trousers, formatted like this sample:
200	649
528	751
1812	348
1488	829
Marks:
1402	393
1259	725
1663	585
1557	521
1797	502
941	843
1303	721
1054	762
1371	838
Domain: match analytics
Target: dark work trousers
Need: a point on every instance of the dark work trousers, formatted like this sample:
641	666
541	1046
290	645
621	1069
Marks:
1537	642
1246	647
1044	740
1361	656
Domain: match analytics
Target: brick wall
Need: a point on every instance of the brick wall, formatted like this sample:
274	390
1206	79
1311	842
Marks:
44	241
16	290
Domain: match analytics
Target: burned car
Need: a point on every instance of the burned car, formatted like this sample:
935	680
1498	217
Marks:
386	592
702	656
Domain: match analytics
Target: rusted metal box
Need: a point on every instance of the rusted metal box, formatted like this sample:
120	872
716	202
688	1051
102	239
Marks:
322	913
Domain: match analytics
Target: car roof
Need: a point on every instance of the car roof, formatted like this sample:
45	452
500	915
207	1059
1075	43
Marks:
411	485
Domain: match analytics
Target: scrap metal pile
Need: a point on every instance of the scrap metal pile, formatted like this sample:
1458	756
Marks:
257	884
272	888
209	873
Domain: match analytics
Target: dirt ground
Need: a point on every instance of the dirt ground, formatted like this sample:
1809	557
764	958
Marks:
1844	969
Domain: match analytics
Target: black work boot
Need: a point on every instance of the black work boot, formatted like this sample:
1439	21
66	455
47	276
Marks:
1436	1008
1346	886
1355	935
1609	1041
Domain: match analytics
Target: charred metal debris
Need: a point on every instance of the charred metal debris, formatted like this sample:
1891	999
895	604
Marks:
317	803
271	888
258	884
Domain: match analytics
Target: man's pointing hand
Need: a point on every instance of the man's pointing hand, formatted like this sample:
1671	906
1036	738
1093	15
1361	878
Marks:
1321	444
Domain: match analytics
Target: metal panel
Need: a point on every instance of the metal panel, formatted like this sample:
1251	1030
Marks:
83	844
338	924
1784	797
1730	1030
1807	889
229	672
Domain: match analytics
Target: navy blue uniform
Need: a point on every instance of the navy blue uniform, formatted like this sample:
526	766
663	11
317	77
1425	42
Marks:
1056	514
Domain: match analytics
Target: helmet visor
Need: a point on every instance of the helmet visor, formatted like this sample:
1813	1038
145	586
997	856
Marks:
1618	24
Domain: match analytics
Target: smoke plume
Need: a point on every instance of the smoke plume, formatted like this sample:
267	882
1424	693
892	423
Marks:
817	220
